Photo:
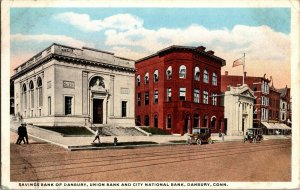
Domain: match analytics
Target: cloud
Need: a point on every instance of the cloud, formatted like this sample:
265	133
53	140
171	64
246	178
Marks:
61	39
84	22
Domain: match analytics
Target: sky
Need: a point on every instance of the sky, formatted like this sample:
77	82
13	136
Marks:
263	34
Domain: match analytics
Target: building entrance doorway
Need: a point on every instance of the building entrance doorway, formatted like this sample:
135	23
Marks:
98	111
187	124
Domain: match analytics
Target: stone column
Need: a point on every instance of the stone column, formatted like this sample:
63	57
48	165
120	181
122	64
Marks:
111	91
85	97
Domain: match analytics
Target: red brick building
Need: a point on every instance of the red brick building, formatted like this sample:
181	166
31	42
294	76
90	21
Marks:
274	102
177	89
260	87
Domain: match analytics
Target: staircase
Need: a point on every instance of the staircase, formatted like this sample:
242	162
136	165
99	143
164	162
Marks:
117	130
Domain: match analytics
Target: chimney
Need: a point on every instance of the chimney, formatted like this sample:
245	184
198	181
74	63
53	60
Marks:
201	48
226	73
210	52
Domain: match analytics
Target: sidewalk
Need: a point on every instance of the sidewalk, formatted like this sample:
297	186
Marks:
84	142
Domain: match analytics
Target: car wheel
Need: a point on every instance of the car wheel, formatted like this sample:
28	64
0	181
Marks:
199	142
210	141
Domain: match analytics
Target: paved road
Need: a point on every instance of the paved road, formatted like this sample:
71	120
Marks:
229	161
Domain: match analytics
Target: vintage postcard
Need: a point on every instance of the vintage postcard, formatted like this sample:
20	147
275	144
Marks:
150	94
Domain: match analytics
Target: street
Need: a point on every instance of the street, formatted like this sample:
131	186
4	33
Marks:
269	160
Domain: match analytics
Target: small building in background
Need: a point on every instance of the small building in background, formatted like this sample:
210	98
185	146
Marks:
260	87
238	109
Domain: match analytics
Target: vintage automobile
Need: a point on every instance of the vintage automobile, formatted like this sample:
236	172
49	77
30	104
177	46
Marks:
253	135
200	135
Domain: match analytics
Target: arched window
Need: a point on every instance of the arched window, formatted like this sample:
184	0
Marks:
24	94
182	72
213	122
146	78
196	120
40	91
169	121
31	94
214	79
155	76
138	80
205	76
197	74
156	121
146	120
169	73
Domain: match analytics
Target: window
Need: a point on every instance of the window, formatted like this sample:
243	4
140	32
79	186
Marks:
139	99
196	96
155	96
49	105
146	78
169	94
146	120
214	99
124	108
205	97
146	98
182	92
155	76
169	121
40	91
182	72
214	79
138	80
24	91
155	121
197	74
138	121
254	87
196	120
68	105
205	76
169	73
31	95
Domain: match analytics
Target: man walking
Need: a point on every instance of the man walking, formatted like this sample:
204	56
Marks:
21	134
97	135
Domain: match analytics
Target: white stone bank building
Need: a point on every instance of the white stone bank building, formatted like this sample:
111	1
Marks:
67	86
238	109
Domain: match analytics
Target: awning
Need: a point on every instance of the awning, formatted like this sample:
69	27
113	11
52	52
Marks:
267	125
276	126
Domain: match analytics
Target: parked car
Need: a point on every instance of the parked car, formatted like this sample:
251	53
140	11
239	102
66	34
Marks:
200	135
253	135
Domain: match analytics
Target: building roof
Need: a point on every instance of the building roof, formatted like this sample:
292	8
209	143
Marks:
85	55
199	50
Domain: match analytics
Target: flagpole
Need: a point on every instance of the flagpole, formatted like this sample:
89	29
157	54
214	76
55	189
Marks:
244	69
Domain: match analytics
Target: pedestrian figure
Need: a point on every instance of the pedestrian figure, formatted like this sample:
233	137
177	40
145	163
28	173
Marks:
97	135
25	134
21	134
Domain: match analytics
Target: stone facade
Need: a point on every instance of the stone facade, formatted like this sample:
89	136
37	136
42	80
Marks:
238	103
66	86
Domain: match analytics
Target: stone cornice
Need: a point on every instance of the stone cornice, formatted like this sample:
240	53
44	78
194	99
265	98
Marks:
72	60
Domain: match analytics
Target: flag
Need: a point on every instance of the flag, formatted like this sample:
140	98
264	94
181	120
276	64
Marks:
240	61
